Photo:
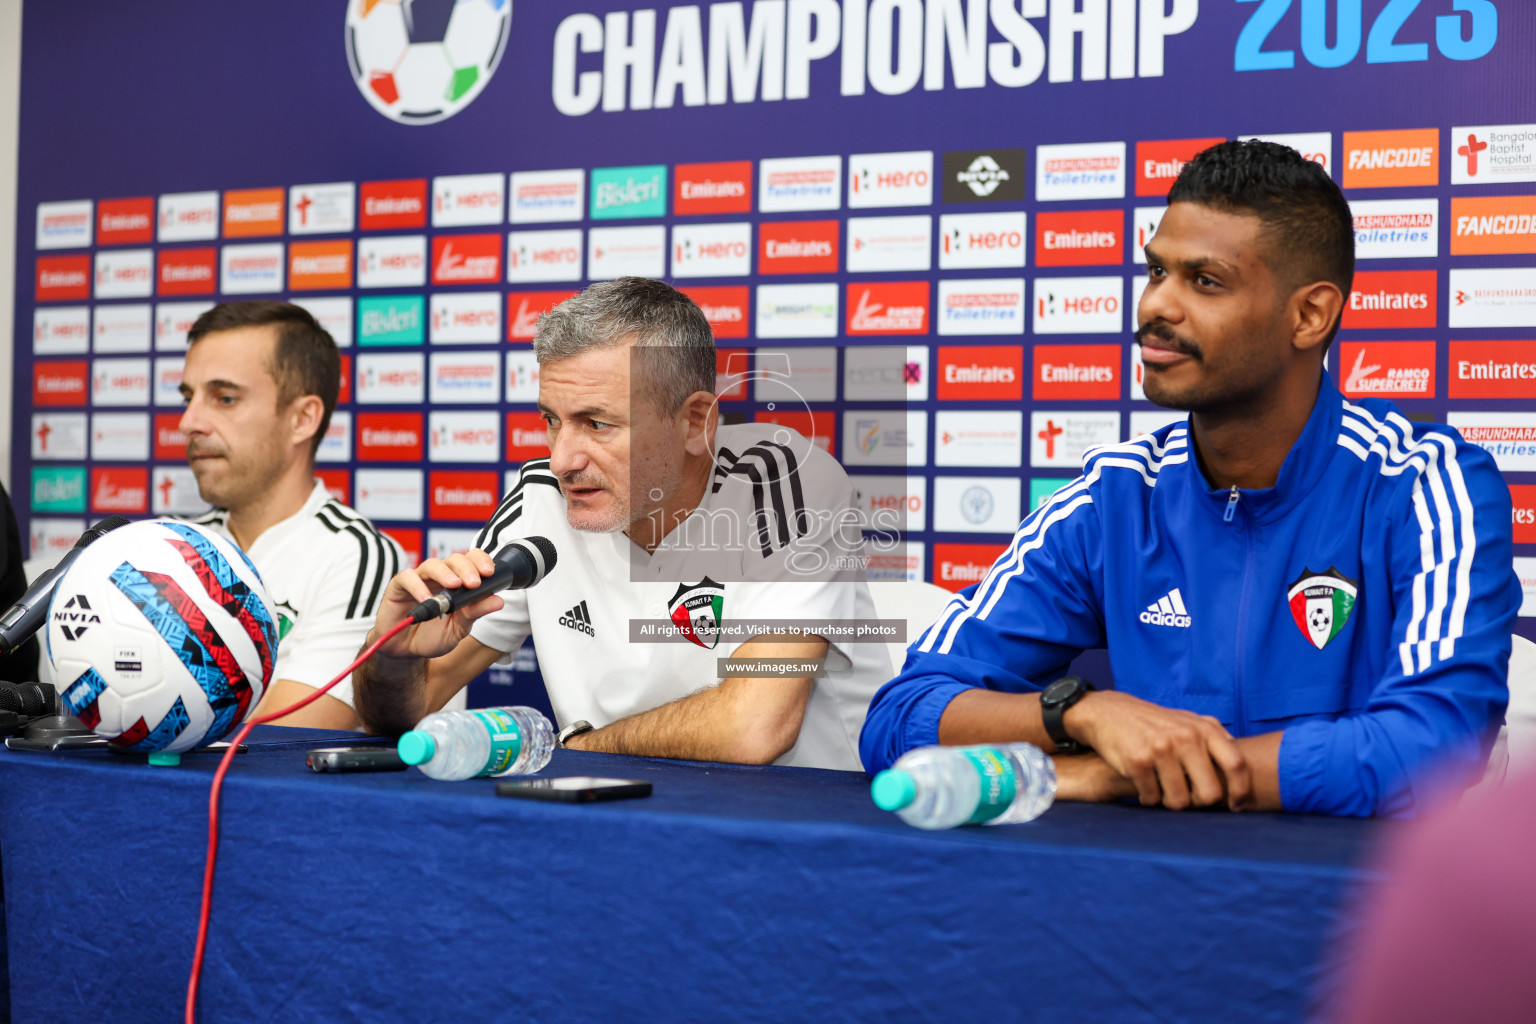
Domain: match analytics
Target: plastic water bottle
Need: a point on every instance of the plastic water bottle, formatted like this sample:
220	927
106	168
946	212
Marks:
454	745
941	787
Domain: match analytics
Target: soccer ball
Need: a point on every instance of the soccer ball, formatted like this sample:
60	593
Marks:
161	636
420	61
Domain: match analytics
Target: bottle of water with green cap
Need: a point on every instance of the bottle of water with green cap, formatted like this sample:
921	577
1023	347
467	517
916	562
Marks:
453	745
941	787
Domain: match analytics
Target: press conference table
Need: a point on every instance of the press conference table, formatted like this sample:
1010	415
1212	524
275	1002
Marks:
733	893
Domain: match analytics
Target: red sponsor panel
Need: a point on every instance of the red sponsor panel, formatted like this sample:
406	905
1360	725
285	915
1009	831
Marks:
388	205
713	188
338	484
1386	369
732	362
170	442
985	373
63	277
314	265
120	489
725	307
798	247
1158	163
525	308
389	437
186	271
125	221
957	566
820	426
344	392
1391	299
467	259
463	495
409	541
1080	238
1523	517
894	307
61	383
527	436
1492	369
1073	372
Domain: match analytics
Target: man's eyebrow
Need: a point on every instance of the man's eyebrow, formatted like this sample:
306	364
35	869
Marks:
595	412
223	385
1195	263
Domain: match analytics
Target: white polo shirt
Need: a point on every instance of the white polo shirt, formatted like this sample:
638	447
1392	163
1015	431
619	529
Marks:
612	625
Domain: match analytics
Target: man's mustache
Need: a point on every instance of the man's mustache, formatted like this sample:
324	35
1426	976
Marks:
1162	332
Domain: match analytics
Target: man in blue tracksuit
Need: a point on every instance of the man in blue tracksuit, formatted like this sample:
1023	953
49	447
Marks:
1307	601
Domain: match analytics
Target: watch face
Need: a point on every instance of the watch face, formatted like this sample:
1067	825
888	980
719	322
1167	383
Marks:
1060	690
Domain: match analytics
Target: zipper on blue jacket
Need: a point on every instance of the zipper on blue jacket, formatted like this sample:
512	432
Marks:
1241	725
1231	505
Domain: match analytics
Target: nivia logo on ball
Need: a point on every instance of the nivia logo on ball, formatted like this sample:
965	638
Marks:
422	61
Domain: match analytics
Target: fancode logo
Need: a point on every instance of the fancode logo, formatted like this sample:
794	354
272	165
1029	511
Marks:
1081	238
1390	369
899	307
124	221
63	277
1076	372
1392	298
253	212
1492	369
984	176
798	247
544	255
981	373
957	566
313	265
1493	225
1158	164
1392	159
712	250
186	271
525	308
713	188
466	259
394	204
725	308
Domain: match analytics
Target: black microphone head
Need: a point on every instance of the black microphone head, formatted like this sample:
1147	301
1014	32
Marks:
33	700
539	549
10	698
101	529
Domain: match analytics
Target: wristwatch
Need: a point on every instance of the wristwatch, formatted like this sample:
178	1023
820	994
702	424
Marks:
574	729
1054	702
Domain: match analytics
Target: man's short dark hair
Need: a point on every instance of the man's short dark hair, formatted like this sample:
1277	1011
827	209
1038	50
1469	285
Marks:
1308	231
304	360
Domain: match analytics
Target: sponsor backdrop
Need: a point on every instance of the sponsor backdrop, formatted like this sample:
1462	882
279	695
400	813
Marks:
928	213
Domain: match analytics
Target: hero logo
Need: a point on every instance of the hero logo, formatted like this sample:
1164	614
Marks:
544	255
1078	305
464	437
712	250
1315	146
188	216
395	261
120	382
125	273
1398	369
981	240
390	377
61	330
466	259
890	179
465	317
463	199
891	308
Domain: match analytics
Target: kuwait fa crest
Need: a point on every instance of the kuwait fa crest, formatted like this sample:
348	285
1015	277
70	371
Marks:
696	612
1321	603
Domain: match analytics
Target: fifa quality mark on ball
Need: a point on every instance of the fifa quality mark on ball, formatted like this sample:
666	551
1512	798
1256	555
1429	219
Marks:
422	61
161	636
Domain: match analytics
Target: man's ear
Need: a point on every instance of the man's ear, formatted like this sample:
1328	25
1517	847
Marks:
699	416
304	417
1315	310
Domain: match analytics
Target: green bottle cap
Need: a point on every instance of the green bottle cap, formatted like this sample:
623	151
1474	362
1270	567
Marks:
893	789
164	757
416	747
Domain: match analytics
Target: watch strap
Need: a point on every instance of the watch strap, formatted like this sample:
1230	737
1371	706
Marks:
1053	710
574	729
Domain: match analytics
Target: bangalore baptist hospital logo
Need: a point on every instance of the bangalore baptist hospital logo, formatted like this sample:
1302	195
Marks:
422	61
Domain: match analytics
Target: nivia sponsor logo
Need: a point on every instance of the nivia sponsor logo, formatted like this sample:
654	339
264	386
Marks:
254	212
1396	228
391	379
188	216
712	250
64	225
390	320
172	322
251	269
984	176
893	307
1078	305
800	183
321	209
1510	437
1315	146
797	311
1079	238
525	308
978	439
626	252
121	328
466	259
977	241
1496	297
465	318
394	261
58	489
389	494
1493	225
1392	159
393	205
169	371
1076	372
59	435
798	247
975	504
1387	369
544	255
712	188
890	179
991	306
1064	438
894	437
891	502
1492	369
461	200
725	307
63	277
1392	298
122	489
1493	154
120	437
125	221
124	274
890	243
61	330
1158	164
541	197
1092	170
117	382
465	378
629	192
186	271
981	373
464	437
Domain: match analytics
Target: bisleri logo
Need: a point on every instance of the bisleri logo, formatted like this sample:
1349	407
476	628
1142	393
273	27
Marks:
421	61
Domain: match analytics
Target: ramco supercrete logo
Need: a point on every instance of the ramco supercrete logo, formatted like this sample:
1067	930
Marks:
422	61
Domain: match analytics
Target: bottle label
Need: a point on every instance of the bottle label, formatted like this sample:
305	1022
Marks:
506	740
997	782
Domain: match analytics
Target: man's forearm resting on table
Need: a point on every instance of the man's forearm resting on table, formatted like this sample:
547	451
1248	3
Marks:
389	692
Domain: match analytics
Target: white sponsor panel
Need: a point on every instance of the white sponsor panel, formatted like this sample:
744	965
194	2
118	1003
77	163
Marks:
889	243
711	250
539	197
626	252
1144	421
1525	568
522	377
322	209
52	538
902	562
890	503
168	374
1388	229
336	446
443	541
67	225
1510	437
1136	373
59	435
255	269
464	437
796	375
1078	305
464	378
975	504
124	273
978	438
395	261
534	256
117	382
800	183
885	373
120	437
797	311
187	216
459	200
1315	146
1084	170
62	330
389	494
890	179
173	491
1500	154
172	322
992	306
982	241
122	328
1496	297
1144	222
1063	438
385	378
894	437
334	313
465	318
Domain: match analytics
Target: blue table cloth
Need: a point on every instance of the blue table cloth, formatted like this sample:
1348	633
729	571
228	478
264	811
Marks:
733	893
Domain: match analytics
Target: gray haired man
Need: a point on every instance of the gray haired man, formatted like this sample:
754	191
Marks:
688	552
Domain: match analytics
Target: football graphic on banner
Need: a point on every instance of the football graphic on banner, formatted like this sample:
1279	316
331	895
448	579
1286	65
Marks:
161	636
420	61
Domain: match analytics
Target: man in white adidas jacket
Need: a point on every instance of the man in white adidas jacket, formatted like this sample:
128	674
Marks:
681	543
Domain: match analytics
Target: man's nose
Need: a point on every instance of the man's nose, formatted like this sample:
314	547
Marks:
191	421
567	453
1159	302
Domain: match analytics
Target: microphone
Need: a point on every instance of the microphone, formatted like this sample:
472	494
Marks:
519	566
27	615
